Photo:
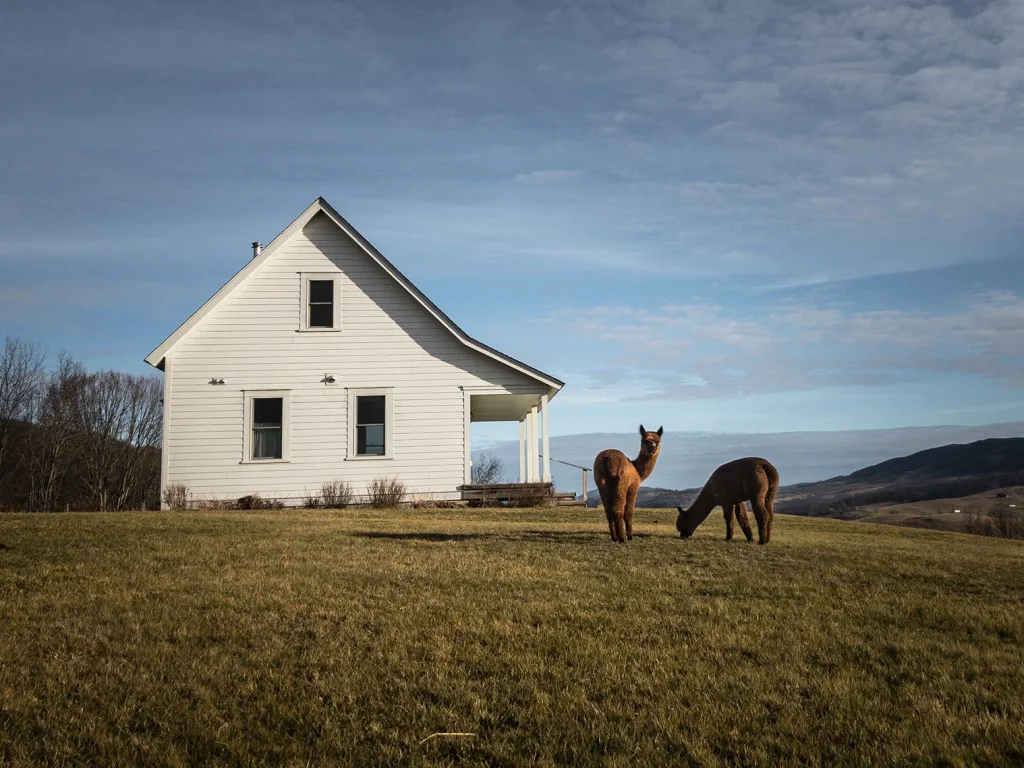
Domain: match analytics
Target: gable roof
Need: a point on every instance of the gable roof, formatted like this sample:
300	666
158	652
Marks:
156	357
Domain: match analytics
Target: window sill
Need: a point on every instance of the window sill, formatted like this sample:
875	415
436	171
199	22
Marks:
265	461
318	330
369	458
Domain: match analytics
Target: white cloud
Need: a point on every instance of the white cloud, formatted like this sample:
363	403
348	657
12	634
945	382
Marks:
552	176
877	182
906	117
696	351
832	139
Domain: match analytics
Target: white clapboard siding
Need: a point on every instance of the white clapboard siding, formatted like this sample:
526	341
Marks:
387	339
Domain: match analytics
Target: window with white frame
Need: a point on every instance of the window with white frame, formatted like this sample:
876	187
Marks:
321	302
371	423
267	430
267	427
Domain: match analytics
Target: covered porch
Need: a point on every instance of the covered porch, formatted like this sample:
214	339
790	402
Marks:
530	410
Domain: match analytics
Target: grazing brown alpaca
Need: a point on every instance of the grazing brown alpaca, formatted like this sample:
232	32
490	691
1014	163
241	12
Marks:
751	479
618	480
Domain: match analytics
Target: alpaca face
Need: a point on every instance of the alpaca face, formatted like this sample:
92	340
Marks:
681	524
650	442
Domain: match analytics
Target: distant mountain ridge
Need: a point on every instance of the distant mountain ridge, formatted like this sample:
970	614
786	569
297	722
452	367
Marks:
934	473
983	457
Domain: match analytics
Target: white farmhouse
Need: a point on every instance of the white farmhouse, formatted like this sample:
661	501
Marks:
319	361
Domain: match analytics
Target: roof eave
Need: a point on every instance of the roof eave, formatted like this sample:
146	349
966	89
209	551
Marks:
155	358
431	307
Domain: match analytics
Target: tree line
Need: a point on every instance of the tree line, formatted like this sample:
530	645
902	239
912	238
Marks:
71	439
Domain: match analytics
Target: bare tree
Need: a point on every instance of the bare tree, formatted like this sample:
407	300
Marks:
487	469
1005	522
71	439
120	422
54	442
977	523
140	440
21	373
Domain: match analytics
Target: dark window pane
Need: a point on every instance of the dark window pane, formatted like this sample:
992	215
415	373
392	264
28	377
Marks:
321	316
370	425
266	411
370	440
370	409
321	291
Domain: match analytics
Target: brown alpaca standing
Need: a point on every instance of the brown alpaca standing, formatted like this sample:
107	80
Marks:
751	479
618	480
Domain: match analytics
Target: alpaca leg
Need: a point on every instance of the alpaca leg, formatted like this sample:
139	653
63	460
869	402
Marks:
611	522
761	515
602	489
618	514
727	512
630	505
618	527
769	505
609	513
613	511
744	520
608	502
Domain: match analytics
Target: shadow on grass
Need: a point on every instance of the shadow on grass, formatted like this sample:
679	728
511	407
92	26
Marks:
420	536
551	537
570	537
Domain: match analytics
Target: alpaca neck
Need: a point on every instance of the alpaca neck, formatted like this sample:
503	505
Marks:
689	519
644	464
704	503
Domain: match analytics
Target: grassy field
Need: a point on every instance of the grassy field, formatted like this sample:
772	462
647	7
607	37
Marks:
351	637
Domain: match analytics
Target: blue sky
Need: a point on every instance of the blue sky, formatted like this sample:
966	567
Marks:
715	216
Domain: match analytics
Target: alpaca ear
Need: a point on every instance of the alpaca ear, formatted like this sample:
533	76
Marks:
642	430
661	431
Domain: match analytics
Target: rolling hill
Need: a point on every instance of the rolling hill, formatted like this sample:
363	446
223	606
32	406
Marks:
946	472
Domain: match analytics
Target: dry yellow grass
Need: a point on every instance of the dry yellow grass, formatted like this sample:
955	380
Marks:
351	637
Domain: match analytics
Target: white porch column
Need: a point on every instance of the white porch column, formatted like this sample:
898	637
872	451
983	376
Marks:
526	450
522	450
532	447
467	438
547	437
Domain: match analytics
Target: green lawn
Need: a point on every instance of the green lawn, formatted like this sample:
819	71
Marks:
351	637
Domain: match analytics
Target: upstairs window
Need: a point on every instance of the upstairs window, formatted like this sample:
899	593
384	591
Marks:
321	302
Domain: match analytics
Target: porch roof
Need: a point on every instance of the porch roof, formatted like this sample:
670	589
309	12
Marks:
502	407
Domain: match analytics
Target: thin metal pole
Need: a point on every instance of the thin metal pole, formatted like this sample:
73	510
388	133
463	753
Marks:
585	471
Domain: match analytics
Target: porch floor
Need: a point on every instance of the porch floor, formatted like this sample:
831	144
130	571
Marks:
508	492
